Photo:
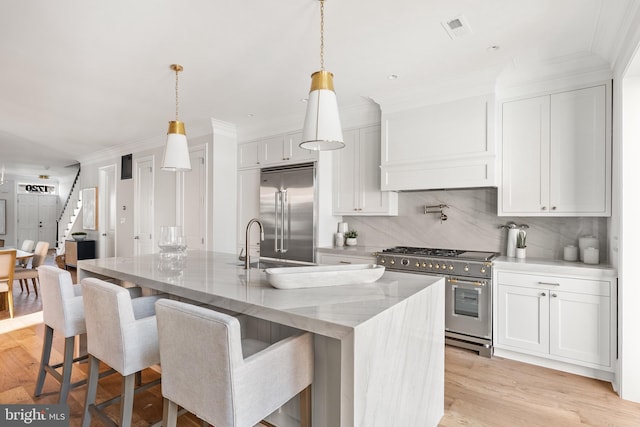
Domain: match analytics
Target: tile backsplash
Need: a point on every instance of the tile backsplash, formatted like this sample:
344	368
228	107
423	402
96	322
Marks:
472	223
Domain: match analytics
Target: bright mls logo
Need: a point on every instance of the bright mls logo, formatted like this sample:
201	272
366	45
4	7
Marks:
34	415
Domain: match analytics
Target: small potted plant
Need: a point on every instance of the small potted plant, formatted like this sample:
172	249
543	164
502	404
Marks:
351	238
79	236
521	244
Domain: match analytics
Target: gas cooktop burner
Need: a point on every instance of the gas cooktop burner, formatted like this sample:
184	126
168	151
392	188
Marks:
408	250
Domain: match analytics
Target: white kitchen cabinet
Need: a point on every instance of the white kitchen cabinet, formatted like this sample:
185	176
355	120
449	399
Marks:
558	318
248	208
556	154
334	259
273	151
356	176
449	145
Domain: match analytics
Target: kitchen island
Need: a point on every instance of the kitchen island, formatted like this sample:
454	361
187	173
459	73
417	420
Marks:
379	347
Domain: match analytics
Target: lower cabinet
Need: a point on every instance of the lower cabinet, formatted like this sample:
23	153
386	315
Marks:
557	318
324	258
77	250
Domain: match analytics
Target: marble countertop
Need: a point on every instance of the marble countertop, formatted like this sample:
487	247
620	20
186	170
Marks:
220	280
540	265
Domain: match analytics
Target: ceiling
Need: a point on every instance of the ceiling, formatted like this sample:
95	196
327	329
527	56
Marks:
85	76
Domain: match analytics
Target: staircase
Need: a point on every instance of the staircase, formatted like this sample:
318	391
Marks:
69	215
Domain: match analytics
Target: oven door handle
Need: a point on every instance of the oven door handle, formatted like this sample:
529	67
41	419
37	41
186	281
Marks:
466	282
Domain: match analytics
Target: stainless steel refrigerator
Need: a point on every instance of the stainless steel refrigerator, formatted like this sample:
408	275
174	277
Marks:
286	212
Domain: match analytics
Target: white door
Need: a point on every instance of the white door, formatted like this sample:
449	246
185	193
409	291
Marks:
107	214
193	213
28	218
47	210
143	206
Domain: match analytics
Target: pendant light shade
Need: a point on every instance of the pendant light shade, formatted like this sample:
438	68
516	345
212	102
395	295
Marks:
322	129
176	153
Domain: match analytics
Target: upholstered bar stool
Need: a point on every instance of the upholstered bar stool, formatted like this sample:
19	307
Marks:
63	313
122	333
224	380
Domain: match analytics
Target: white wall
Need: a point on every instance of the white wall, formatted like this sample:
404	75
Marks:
224	187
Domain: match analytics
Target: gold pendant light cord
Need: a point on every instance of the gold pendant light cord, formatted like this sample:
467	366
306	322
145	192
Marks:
322	34
176	94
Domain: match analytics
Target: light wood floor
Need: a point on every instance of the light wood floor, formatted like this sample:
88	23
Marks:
478	391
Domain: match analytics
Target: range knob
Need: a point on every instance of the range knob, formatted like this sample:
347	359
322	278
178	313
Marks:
417	264
451	267
424	264
437	266
483	270
466	267
393	261
382	261
430	265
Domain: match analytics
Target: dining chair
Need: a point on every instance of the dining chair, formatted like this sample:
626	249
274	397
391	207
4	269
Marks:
27	246
1	243
227	381
7	265
23	274
121	333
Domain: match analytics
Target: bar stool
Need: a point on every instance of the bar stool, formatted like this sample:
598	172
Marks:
122	333
63	313
224	380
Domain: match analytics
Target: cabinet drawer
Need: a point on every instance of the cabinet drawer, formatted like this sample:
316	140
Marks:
345	259
567	284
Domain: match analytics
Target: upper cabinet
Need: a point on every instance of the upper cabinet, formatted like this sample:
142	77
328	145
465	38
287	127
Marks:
356	176
449	145
556	154
277	150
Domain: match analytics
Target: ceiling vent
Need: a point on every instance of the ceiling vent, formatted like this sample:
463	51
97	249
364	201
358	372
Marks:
457	27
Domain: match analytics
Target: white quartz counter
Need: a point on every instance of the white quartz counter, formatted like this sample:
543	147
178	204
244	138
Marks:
379	347
540	265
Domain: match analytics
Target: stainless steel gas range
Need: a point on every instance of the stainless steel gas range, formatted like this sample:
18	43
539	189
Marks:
468	289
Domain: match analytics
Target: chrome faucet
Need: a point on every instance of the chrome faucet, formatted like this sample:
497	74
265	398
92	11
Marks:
246	239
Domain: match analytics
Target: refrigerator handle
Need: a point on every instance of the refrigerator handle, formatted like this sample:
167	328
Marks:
285	222
277	205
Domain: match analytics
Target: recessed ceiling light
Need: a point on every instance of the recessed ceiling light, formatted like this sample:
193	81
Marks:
493	48
392	76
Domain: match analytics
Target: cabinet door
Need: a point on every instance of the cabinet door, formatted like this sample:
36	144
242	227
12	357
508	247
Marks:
248	207
579	174
371	199
525	153
580	327
346	167
272	151
523	318
293	151
249	155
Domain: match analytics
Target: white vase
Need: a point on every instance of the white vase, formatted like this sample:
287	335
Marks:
351	241
521	252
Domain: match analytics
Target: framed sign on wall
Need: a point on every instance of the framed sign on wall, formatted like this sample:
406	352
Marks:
90	208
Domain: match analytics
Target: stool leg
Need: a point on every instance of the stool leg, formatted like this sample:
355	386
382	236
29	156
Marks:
44	359
92	387
305	407
67	364
126	404
169	413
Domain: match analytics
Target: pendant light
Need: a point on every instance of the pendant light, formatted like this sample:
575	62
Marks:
322	130
176	153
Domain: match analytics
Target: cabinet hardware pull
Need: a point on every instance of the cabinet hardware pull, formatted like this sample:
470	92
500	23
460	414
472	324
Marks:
549	283
345	262
543	294
554	295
